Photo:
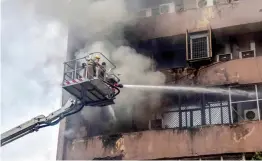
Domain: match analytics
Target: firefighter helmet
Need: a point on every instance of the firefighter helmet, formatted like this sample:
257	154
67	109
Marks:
97	57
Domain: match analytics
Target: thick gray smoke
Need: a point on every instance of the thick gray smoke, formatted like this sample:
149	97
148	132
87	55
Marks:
101	23
133	68
89	18
106	28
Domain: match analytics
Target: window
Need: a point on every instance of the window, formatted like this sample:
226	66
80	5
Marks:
199	46
217	109
245	111
243	93
259	91
171	120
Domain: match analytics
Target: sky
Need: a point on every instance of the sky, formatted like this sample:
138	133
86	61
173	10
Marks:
32	54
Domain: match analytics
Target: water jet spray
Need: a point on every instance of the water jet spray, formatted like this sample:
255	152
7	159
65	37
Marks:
190	89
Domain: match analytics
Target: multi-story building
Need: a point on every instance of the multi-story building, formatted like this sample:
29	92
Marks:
195	43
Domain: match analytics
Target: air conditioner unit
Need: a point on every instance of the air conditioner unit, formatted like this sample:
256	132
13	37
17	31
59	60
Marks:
224	57
204	3
199	46
247	54
145	13
251	114
166	8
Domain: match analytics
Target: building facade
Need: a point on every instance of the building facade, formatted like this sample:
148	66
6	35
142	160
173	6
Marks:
195	43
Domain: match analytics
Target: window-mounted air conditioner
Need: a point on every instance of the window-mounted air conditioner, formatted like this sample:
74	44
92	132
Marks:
204	3
166	8
223	57
251	114
145	13
199	46
247	54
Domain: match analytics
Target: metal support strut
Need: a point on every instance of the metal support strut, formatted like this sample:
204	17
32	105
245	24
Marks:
71	107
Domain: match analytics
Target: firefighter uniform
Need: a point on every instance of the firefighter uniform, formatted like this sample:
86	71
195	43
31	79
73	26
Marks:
91	67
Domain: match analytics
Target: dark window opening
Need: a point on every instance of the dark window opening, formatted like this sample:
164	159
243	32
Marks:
170	52
259	91
243	93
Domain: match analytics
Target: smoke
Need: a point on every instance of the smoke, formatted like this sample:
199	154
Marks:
33	50
88	18
101	25
134	68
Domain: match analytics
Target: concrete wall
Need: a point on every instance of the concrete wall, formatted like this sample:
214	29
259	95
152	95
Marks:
218	16
239	138
242	71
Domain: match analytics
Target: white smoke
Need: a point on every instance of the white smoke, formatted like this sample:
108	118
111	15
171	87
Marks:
134	68
88	17
99	23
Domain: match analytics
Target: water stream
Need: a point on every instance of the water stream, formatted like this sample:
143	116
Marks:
181	89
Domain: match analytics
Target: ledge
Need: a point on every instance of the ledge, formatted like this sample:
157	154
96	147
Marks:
208	140
216	17
240	71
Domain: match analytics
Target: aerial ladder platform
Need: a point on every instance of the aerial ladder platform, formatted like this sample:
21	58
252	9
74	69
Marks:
85	90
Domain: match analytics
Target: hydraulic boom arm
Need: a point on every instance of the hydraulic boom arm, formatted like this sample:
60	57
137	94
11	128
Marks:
71	107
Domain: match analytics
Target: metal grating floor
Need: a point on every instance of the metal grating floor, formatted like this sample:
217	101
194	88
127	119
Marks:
90	90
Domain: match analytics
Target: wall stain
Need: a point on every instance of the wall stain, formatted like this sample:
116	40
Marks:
242	134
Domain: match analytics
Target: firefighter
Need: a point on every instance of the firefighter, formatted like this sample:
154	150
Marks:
91	67
101	71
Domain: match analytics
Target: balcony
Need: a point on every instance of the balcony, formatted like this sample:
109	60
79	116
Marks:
243	16
240	71
171	143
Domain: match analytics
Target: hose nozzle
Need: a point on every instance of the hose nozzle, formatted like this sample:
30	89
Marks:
120	85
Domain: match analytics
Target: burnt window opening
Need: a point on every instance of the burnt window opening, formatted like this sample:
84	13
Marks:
109	141
169	52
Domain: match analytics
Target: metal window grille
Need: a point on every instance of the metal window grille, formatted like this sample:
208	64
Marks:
199	47
171	120
225	114
216	116
197	118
